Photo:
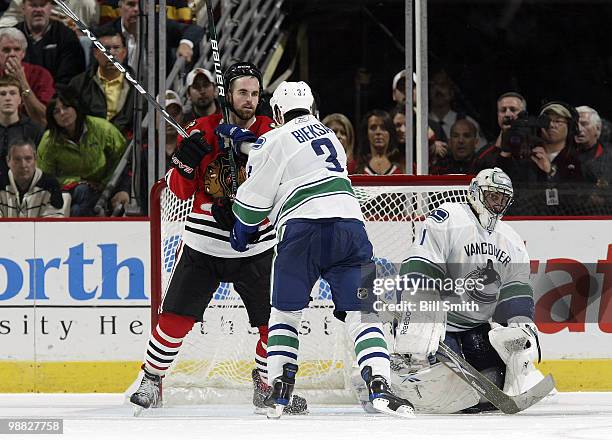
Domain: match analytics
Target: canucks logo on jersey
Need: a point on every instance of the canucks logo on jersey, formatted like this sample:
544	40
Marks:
487	277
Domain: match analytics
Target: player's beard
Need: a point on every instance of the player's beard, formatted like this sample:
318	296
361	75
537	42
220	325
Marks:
245	114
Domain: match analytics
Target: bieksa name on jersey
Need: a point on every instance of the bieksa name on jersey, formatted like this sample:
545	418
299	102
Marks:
310	132
485	248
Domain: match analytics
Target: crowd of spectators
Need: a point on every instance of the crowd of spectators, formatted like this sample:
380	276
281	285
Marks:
67	114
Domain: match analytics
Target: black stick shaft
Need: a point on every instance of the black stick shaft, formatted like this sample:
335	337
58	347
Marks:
214	44
83	27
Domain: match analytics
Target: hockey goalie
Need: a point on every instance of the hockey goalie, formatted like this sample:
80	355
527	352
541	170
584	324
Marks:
466	282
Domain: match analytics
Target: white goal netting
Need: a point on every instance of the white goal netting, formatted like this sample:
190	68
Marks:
217	356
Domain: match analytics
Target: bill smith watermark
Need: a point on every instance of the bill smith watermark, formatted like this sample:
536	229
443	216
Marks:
403	293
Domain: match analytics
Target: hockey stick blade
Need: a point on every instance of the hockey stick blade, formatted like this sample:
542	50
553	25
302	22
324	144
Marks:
505	403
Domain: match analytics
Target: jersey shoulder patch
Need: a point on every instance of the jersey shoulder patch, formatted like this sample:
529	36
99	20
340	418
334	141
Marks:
261	140
439	215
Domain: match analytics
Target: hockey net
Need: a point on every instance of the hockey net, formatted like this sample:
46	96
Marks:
217	356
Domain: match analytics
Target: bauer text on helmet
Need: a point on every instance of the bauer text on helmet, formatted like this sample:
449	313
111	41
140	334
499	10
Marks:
490	195
290	96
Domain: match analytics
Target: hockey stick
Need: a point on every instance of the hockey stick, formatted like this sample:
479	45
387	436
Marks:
83	27
221	88
507	404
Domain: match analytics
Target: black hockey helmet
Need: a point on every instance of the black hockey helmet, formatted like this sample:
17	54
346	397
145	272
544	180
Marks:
240	69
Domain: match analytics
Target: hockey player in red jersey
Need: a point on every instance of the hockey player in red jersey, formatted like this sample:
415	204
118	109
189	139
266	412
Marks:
201	168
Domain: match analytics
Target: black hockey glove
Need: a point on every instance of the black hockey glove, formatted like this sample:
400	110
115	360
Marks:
50	184
188	156
221	210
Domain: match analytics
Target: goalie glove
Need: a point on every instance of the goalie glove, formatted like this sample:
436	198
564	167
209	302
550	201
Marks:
186	159
518	346
237	136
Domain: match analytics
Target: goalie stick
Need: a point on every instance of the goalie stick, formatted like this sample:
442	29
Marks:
507	404
221	88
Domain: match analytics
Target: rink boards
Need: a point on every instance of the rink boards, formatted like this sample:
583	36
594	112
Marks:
74	303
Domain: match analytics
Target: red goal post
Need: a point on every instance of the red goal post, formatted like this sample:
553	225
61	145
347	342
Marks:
216	357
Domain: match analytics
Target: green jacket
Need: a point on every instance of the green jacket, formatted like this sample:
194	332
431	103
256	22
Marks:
93	160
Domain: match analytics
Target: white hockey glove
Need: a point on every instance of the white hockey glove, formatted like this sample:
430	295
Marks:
518	346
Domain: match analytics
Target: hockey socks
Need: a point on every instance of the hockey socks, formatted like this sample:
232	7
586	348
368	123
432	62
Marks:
283	341
370	345
261	361
165	342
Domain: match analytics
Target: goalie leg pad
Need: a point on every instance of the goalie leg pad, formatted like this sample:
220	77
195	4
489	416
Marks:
283	342
419	332
434	390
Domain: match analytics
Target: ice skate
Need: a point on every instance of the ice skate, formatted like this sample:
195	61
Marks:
382	398
148	393
282	391
261	390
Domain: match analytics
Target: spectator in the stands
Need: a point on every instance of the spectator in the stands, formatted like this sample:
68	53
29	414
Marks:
548	177
36	82
51	44
378	153
25	191
442	92
103	90
398	116
509	105
437	147
462	144
178	10
174	107
201	94
345	133
82	152
13	126
595	160
87	10
180	37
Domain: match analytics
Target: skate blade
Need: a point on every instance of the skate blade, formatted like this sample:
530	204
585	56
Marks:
137	410
275	412
382	405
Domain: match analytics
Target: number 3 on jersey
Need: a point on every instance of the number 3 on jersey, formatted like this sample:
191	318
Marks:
317	146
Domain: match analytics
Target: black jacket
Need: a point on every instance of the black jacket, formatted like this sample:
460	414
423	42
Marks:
93	101
59	51
24	129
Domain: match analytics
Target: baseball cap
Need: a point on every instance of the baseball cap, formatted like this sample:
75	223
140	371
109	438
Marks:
198	71
557	109
172	98
399	75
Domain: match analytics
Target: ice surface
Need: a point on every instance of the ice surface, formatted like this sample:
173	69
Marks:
583	416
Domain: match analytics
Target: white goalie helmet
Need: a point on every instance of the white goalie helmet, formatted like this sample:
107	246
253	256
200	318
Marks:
490	195
290	96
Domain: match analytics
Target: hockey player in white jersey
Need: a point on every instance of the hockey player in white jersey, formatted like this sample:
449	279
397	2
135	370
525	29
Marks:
487	302
297	178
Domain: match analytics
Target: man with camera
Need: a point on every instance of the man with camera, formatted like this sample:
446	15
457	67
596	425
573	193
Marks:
509	105
539	153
